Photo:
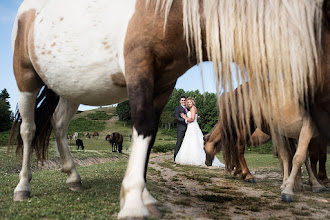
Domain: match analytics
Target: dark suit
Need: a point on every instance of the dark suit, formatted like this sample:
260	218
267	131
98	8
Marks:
181	128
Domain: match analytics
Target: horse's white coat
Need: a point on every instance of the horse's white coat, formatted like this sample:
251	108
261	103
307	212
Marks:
77	51
133	185
24	7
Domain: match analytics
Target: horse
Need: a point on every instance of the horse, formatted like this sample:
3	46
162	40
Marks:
87	135
116	141
80	143
107	138
75	136
232	139
146	46
96	135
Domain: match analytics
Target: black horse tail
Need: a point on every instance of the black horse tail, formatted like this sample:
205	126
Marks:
46	103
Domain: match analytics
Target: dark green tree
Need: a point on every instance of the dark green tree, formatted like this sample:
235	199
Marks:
124	111
167	119
206	104
5	113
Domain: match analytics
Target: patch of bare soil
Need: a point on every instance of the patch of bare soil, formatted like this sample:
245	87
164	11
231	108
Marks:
212	193
56	163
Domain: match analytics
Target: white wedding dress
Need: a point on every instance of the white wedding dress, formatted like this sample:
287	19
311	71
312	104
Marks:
192	148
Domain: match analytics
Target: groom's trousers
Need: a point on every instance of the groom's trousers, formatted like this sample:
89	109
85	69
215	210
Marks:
180	135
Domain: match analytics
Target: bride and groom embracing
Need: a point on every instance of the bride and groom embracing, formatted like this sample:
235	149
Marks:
190	151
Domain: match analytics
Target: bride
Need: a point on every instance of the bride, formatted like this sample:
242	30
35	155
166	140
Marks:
192	148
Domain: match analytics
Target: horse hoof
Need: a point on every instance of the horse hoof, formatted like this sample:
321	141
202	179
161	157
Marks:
321	189
75	186
21	195
153	211
287	198
251	180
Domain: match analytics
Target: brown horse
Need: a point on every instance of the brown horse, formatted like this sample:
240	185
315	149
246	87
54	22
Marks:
287	125
116	141
87	135
96	134
146	46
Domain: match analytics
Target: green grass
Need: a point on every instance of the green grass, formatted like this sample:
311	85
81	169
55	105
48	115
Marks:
51	199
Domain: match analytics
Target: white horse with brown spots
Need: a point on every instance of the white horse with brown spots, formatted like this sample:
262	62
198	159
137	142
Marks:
101	52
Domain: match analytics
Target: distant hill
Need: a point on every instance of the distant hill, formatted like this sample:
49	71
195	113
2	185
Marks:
94	120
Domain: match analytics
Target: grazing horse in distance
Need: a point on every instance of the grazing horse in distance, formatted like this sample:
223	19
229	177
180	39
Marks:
116	141
87	135
107	138
80	143
146	46
75	136
96	135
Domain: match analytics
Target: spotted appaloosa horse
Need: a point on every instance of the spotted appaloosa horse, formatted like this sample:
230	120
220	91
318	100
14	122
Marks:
103	52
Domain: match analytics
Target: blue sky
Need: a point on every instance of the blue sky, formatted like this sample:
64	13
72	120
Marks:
191	80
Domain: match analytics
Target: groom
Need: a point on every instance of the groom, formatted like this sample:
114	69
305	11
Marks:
181	124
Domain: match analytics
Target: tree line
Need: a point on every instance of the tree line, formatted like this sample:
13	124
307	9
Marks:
206	104
5	113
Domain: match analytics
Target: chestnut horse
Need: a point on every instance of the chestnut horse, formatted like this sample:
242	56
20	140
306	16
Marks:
103	52
288	124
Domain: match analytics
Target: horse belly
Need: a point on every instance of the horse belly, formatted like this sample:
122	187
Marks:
76	48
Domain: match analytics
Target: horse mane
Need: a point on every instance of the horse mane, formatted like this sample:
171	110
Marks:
275	44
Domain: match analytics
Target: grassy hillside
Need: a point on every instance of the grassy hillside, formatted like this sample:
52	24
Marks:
104	121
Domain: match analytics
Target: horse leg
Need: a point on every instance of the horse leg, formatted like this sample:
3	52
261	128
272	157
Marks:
314	155
146	108
60	121
316	186
299	158
322	161
26	105
290	147
283	153
322	168
245	172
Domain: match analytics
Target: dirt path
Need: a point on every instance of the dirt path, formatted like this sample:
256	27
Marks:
208	193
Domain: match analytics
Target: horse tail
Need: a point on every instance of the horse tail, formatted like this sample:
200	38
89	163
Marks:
46	103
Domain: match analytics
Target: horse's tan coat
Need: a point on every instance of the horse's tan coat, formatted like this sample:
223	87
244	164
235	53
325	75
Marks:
26	77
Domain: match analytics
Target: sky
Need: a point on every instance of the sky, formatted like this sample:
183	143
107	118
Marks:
190	81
